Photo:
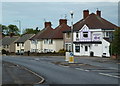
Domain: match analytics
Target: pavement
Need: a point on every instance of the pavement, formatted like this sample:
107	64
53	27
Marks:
15	74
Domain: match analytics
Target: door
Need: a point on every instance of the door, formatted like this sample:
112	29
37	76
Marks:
86	50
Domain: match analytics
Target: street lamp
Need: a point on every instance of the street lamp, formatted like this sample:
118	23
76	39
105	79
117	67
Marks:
71	12
19	22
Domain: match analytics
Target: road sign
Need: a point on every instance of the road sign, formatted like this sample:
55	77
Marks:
71	58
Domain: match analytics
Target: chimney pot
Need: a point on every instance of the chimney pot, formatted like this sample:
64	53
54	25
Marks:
98	13
85	13
63	21
47	24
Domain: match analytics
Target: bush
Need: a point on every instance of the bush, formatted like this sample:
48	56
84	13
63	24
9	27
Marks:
62	51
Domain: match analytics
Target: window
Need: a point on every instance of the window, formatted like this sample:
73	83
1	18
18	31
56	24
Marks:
50	41
107	34
22	44
86	48
17	44
77	48
77	35
7	46
68	35
85	34
46	41
66	47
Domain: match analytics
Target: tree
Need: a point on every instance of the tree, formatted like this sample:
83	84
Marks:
13	29
4	29
116	43
31	31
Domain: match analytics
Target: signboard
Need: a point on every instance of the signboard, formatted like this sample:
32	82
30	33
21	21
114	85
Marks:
96	37
71	58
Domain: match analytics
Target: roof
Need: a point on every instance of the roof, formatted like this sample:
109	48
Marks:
50	33
94	21
7	40
45	33
24	38
58	33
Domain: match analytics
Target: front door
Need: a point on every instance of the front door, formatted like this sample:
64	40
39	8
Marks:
86	50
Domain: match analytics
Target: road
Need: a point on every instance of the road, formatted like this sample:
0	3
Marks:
57	74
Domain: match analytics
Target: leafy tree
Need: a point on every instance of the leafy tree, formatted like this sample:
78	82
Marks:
4	29
13	29
116	43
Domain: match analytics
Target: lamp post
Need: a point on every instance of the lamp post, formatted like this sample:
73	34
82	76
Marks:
19	22
71	58
71	12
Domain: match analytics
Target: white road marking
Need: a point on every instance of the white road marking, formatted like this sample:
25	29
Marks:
82	69
64	66
109	75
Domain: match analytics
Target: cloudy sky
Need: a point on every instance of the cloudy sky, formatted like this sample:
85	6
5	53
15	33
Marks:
33	14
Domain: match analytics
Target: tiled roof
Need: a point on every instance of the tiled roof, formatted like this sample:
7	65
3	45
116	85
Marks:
45	33
50	33
58	33
94	21
7	40
24	38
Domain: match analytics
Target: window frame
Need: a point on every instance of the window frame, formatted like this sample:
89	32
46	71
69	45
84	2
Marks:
85	34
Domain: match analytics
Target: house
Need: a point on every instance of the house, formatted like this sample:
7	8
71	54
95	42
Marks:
37	40
23	44
91	35
49	39
8	43
0	43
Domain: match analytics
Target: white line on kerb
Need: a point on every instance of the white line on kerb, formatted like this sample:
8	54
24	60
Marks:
109	75
82	69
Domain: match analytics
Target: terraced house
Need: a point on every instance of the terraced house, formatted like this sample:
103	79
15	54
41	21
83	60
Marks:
23	44
8	43
91	35
49	39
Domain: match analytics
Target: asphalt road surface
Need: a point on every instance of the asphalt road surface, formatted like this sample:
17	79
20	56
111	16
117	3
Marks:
58	74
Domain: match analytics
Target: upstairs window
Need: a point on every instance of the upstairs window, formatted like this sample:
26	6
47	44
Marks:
77	35
68	35
17	44
22	44
50	41
46	41
107	34
85	34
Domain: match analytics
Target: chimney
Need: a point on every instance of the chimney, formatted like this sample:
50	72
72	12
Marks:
47	24
12	34
63	21
85	13
98	13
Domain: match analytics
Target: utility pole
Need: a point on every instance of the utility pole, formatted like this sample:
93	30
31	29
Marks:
19	22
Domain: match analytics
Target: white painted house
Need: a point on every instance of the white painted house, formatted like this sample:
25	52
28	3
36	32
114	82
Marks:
91	36
49	39
23	44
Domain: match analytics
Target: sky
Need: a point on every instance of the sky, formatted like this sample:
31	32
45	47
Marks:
34	14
